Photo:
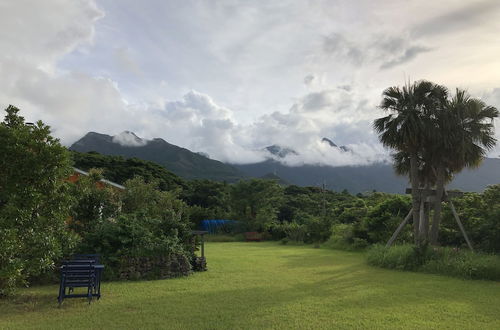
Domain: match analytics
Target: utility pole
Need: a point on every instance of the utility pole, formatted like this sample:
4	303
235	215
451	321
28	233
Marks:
324	200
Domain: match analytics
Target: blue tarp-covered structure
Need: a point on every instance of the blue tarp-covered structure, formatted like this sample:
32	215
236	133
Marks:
217	226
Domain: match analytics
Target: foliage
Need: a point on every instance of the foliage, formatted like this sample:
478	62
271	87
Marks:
382	218
403	257
480	214
294	231
34	200
317	229
463	263
207	200
256	203
446	261
130	236
343	237
149	223
119	169
93	203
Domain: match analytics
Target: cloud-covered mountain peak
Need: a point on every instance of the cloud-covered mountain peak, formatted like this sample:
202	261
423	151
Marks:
329	142
333	145
129	139
279	151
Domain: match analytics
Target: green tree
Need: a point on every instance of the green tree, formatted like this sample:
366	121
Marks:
93	203
461	134
256	202
435	137
405	127
34	200
207	200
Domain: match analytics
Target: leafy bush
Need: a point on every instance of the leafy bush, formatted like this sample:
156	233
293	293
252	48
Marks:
317	229
152	224
343	238
294	231
130	236
403	257
384	217
34	201
284	241
445	261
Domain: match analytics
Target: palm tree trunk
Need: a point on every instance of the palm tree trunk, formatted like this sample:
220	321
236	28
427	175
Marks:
436	221
415	196
427	222
424	216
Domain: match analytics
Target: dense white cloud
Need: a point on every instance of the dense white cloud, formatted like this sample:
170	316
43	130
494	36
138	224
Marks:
39	32
129	139
339	114
229	78
34	36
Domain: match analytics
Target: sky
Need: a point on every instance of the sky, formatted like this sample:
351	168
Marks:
230	77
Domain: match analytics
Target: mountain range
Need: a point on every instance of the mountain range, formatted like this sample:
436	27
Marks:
191	165
180	161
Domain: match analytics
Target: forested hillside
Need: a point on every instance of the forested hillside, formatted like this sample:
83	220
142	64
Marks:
182	162
119	169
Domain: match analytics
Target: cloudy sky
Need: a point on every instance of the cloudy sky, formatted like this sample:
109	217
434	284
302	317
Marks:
230	77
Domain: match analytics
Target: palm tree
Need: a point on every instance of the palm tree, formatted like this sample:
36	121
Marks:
462	133
405	128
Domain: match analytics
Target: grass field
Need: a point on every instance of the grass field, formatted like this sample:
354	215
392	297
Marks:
266	285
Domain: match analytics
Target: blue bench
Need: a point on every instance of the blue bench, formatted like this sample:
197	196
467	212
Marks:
81	272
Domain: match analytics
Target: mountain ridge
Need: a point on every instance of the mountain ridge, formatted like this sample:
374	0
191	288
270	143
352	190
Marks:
180	161
193	165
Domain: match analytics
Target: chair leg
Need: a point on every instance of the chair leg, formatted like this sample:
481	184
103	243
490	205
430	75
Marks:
89	294
62	291
98	285
60	299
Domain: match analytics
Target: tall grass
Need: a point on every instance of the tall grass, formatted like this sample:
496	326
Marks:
446	261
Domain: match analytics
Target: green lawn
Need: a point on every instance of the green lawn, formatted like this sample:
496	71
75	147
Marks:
266	285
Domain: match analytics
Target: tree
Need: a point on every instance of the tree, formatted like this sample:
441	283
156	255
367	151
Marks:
404	129
256	202
435	137
93	203
462	133
34	202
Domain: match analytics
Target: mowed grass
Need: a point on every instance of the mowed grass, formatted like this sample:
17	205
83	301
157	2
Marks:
266	285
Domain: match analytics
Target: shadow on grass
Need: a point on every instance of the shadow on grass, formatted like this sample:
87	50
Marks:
347	287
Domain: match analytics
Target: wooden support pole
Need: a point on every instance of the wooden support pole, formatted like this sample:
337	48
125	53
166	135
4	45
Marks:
421	223
203	246
400	227
455	215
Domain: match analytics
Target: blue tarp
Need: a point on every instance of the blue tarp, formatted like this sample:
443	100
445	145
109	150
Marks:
215	226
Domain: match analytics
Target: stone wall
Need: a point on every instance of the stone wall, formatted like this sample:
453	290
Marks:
158	267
